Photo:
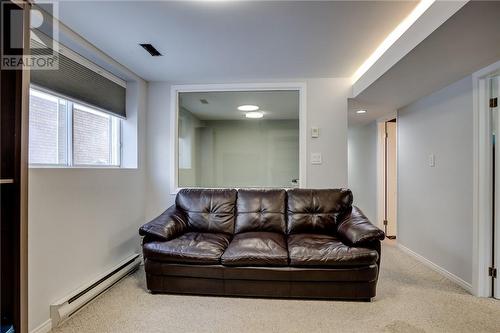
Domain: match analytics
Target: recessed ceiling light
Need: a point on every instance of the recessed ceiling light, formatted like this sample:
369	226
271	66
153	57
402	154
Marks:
248	107
361	111
254	114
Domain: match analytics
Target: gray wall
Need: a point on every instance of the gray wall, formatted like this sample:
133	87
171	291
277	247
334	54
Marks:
362	171
435	203
237	153
262	153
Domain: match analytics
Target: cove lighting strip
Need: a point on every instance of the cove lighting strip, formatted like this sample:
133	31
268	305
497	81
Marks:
392	38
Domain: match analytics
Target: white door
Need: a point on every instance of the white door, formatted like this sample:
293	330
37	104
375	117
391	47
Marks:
495	109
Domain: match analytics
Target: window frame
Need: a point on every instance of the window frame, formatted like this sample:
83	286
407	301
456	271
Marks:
175	90
70	131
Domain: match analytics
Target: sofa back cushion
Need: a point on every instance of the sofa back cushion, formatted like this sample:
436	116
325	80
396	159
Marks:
260	210
316	211
208	210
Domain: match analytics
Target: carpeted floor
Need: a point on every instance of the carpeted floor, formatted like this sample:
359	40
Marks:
411	298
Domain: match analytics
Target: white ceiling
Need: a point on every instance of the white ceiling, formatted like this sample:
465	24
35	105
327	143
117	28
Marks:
236	40
465	43
222	105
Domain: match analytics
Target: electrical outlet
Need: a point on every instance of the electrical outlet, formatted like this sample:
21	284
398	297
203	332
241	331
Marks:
315	132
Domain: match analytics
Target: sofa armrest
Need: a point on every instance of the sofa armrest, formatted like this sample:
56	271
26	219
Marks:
167	226
355	228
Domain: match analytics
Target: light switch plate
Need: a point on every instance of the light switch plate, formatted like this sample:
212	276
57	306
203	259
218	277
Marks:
316	158
315	132
432	160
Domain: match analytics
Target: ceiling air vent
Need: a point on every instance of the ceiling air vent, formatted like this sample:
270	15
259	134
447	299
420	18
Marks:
203	101
151	49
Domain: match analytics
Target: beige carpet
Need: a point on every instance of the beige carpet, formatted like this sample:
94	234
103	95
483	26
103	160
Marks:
411	298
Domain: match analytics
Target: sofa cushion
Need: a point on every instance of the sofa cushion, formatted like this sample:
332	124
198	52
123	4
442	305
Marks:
256	249
208	210
323	250
189	248
316	211
260	210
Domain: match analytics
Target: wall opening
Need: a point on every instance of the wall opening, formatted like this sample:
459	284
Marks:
238	136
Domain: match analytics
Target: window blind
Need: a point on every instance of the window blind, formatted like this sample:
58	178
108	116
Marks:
81	83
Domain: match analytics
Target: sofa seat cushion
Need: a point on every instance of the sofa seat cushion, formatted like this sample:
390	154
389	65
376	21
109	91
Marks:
189	248
323	250
256	249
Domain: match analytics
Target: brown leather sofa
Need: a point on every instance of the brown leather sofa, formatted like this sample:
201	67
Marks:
300	243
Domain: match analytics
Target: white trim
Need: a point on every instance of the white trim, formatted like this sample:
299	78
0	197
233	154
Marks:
174	137
176	89
482	180
450	276
380	174
45	327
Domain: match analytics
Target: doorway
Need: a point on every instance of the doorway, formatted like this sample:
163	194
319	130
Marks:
387	152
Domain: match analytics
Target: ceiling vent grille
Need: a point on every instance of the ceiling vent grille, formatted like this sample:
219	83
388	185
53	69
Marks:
151	49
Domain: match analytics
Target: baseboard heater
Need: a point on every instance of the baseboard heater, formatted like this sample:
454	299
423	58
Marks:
66	307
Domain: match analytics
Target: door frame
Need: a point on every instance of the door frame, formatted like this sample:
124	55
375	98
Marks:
380	168
482	182
174	115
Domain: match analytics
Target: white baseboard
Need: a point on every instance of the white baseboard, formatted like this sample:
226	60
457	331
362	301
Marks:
45	327
450	276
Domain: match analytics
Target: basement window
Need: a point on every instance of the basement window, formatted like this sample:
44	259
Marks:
66	133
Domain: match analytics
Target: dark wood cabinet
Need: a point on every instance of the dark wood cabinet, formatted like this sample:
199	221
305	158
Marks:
13	182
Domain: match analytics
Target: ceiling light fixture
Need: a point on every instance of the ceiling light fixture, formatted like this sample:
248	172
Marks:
254	114
361	111
402	27
248	107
